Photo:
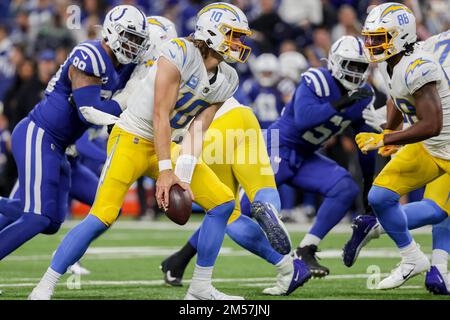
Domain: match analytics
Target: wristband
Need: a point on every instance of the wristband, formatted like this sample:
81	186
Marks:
165	165
184	169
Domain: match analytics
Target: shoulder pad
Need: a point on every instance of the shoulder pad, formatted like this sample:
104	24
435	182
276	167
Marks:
176	51
87	58
317	81
419	72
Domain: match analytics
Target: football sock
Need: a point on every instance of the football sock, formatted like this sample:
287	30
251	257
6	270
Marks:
76	242
182	257
334	207
212	232
410	251
193	240
5	221
422	213
49	279
249	235
269	195
441	245
439	258
310	239
201	278
284	266
20	231
390	214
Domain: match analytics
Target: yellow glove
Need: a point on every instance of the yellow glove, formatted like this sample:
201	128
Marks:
367	141
389	150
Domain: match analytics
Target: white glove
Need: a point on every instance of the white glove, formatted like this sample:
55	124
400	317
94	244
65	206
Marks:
98	117
375	118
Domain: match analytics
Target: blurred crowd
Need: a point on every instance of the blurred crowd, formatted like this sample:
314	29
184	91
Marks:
289	37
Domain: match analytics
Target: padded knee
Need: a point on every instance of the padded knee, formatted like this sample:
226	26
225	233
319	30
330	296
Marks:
224	209
52	228
381	198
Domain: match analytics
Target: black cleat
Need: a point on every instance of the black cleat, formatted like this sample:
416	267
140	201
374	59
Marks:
172	276
308	255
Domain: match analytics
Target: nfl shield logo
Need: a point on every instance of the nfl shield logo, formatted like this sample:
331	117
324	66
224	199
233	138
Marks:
193	82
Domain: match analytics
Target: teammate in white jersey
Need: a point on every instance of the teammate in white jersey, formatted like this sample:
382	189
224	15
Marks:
186	86
419	89
433	209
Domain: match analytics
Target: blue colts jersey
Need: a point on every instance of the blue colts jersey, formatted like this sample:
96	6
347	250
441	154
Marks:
309	119
54	113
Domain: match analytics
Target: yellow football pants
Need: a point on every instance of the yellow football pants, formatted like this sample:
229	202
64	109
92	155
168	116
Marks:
235	150
413	167
130	157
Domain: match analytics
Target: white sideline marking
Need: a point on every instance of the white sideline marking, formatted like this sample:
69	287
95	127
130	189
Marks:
248	281
121	253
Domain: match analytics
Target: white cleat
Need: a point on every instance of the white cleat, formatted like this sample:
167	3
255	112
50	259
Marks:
405	271
40	294
78	269
210	294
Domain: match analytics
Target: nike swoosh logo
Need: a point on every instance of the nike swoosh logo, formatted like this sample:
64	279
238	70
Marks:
169	276
297	276
84	55
407	275
425	73
171	54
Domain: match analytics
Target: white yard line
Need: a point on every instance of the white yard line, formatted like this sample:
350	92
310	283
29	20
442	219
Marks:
343	227
247	281
121	253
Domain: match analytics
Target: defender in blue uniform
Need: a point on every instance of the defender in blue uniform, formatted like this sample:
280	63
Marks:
85	82
324	104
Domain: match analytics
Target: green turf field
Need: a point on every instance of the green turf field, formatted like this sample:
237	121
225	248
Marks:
125	265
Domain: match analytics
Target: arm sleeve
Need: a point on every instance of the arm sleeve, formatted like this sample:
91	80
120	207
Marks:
89	149
309	110
89	96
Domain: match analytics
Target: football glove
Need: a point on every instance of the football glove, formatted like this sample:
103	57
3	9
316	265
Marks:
388	150
367	141
375	118
352	96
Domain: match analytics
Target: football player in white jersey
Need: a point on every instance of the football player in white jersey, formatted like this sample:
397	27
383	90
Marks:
419	89
186	86
433	209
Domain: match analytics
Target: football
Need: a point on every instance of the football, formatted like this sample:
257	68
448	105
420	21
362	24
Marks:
180	205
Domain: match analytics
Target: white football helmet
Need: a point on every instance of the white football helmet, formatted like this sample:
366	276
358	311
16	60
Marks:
160	29
348	63
220	24
266	69
389	27
125	32
292	65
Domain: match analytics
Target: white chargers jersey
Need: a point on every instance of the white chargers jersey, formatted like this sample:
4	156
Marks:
195	91
138	74
409	75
